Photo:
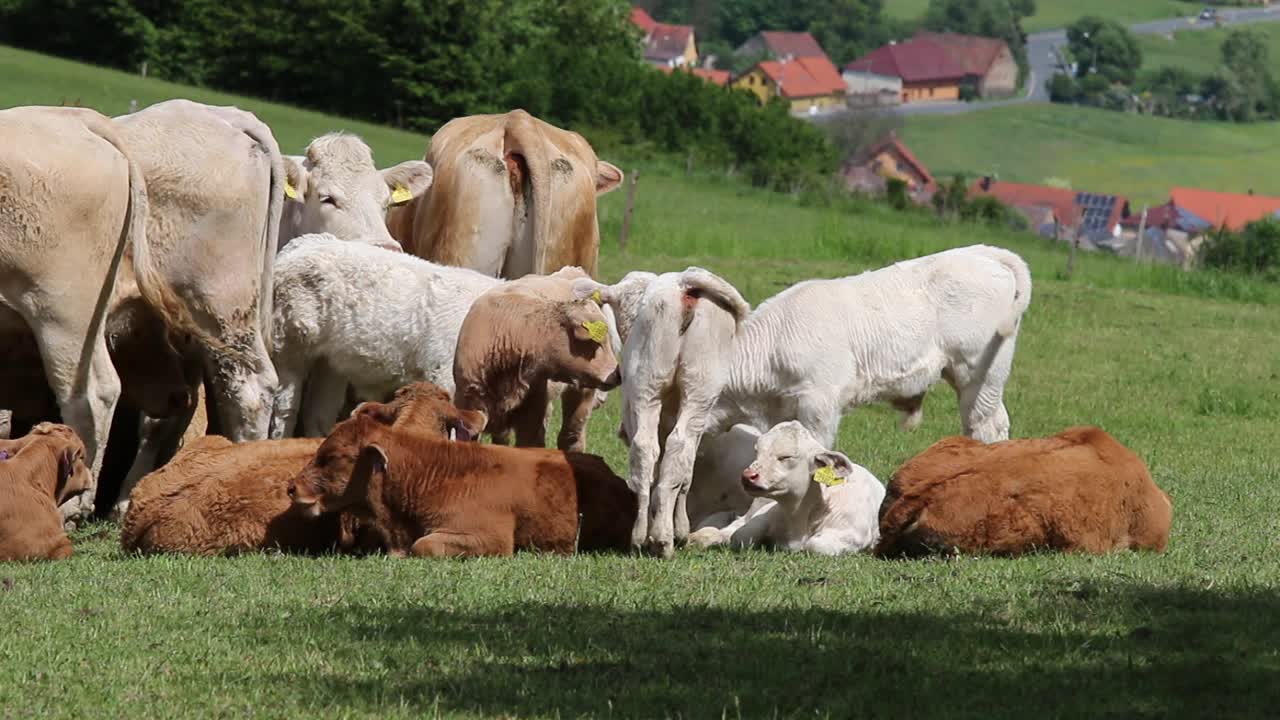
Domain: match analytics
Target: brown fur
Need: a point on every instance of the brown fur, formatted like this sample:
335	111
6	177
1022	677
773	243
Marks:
516	340
426	408
42	470
437	499
216	498
1077	491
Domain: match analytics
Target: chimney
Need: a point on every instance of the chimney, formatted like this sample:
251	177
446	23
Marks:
986	183
1250	191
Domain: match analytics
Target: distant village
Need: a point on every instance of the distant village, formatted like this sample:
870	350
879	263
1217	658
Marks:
949	67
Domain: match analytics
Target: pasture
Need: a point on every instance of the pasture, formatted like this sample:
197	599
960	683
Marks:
1052	14
1182	368
1099	150
1201	50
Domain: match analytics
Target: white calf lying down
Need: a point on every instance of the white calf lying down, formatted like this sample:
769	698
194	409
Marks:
807	499
822	347
351	312
677	333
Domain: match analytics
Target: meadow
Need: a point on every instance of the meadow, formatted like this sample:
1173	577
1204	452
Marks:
1053	14
1181	367
1201	50
1099	150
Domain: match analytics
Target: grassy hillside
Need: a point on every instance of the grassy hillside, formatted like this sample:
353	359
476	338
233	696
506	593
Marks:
1099	150
1201	50
1051	14
1161	359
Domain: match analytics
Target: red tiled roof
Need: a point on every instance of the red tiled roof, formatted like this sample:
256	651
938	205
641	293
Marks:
1156	216
908	157
642	19
917	60
793	44
666	42
1062	201
1230	209
804	77
974	53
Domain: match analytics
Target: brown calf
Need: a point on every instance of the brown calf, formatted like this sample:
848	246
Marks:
438	499
216	498
1079	490
38	472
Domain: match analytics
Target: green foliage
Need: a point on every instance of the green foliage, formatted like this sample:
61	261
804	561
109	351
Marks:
1106	47
1063	88
1255	250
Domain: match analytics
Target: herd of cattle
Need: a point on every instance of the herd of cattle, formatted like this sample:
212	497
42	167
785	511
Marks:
373	324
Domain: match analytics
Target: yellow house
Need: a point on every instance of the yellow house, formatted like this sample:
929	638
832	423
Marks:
809	84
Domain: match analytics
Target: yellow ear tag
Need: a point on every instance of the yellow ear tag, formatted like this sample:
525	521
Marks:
597	329
827	476
400	195
289	191
595	297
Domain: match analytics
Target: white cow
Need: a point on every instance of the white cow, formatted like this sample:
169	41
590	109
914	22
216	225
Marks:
823	347
677	333
352	312
808	498
337	189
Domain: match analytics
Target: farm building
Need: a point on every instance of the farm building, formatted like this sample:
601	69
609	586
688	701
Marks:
869	171
1093	218
809	84
781	46
1220	209
665	45
935	67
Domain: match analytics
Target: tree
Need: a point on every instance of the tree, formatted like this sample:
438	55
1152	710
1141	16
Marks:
1105	47
1244	88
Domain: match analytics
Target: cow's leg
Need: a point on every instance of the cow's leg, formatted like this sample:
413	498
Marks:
820	416
6	424
456	543
530	418
159	441
576	406
671	518
284	411
981	395
644	416
326	394
243	388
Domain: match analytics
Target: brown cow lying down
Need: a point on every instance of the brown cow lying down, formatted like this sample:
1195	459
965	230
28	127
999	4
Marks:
216	498
441	499
1079	490
38	472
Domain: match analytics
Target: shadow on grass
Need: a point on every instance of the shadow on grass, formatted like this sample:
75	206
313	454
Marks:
1074	651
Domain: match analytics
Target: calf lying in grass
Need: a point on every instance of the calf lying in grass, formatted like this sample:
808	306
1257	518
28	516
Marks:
441	499
215	498
38	472
1079	490
808	498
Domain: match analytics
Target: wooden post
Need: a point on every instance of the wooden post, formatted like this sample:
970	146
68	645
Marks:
1075	243
1142	232
631	207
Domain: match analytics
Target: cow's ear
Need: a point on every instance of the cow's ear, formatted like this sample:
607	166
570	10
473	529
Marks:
380	412
295	178
587	288
831	467
408	180
608	177
375	456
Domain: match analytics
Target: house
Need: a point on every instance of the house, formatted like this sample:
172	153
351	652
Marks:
715	77
1092	218
935	67
809	84
665	45
869	171
1230	210
770	45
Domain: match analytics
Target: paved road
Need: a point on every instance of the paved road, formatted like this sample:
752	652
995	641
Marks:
1042	48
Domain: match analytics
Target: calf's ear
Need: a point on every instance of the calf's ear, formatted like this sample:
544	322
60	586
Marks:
831	467
584	288
371	462
380	412
295	178
608	177
408	180
473	422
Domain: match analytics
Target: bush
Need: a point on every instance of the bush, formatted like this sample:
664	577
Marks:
1063	88
1255	250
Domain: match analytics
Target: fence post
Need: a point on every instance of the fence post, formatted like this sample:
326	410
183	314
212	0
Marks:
631	206
1075	243
1142	235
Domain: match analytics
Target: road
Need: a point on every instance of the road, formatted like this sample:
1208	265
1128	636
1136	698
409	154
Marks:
1043	46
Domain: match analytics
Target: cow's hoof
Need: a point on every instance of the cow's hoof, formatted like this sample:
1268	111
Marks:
119	511
664	549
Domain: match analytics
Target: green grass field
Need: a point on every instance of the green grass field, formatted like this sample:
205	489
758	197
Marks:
1201	50
1139	156
1052	14
1182	367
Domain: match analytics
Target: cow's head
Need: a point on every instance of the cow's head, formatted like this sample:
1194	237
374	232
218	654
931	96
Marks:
337	189
583	353
73	474
426	409
789	460
338	476
623	297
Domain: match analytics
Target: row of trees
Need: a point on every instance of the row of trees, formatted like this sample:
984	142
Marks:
1254	250
420	63
1108	58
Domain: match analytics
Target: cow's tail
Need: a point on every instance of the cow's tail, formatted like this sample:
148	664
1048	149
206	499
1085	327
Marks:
524	138
702	283
1022	287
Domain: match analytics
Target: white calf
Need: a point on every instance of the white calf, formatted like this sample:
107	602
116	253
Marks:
677	333
823	347
353	312
808	498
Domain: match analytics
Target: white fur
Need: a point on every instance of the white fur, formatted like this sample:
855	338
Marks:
672	375
352	312
793	511
823	347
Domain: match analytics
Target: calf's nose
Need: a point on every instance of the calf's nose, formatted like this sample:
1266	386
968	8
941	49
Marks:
750	474
293	491
614	379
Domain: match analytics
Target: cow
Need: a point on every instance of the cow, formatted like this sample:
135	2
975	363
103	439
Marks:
808	498
442	499
335	188
38	473
823	347
216	498
512	195
1077	491
678	332
73	200
520	342
350	313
